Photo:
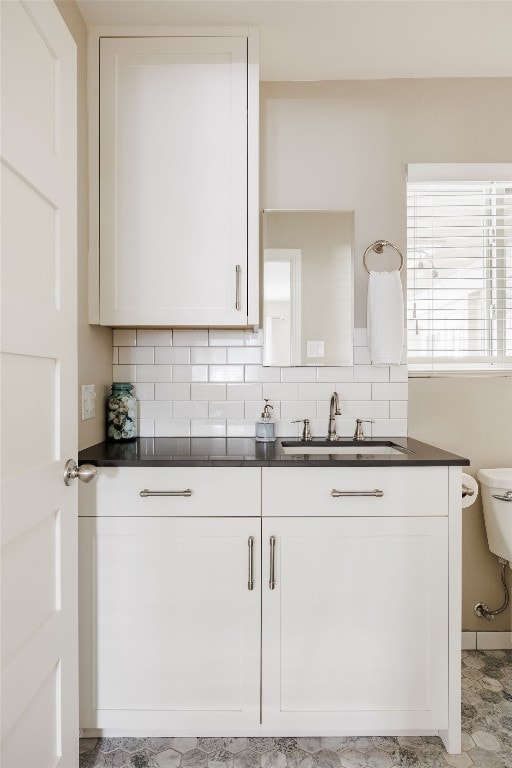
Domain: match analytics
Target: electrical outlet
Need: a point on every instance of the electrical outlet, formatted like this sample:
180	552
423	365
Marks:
88	402
315	349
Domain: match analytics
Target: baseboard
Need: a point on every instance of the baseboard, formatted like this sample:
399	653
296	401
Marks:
486	641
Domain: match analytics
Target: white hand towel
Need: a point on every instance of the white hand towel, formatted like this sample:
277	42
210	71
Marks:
385	318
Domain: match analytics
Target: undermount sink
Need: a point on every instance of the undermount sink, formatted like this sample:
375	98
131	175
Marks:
367	448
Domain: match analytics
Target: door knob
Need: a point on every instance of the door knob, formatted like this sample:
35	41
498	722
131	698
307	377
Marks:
85	473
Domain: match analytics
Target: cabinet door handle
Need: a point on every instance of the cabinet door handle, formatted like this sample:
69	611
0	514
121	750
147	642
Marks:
186	492
272	580
250	545
238	271
376	492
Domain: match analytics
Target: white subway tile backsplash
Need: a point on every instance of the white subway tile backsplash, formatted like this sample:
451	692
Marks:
246	355
240	428
261	373
361	356
226	373
398	373
191	373
194	338
366	409
208	428
180	391
389	391
153	338
398	409
208	355
212	383
254	338
124	337
123	373
190	409
316	391
281	391
155	409
254	409
145	427
298	409
355	391
208	391
145	391
129	355
298	374
220	338
341	373
389	428
172	355
154	373
244	391
370	373
226	409
172	427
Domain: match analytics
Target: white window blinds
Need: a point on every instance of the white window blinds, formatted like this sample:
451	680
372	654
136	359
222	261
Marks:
459	275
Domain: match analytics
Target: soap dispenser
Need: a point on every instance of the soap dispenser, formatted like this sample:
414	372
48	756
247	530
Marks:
266	426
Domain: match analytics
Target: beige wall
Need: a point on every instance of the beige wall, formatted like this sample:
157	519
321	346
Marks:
94	343
346	145
472	417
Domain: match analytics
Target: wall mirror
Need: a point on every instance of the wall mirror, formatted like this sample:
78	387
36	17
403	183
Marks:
308	292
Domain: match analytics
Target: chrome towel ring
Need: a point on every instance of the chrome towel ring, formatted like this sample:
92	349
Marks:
378	247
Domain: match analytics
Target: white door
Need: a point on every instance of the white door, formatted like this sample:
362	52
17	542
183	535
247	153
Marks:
355	633
38	378
170	623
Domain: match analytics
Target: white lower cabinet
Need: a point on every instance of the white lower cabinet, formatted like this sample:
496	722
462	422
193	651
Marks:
170	631
355	628
195	621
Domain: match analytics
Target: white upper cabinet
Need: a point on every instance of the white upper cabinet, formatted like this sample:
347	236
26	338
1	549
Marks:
174	175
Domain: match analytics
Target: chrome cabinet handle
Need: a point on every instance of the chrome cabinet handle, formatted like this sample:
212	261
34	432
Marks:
145	492
376	492
272	580
238	270
250	545
507	496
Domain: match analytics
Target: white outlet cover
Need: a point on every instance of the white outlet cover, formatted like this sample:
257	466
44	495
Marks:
315	349
88	402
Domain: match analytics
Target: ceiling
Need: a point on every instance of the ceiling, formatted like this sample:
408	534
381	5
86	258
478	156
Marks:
345	39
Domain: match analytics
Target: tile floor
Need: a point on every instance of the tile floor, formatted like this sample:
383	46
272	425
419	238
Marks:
486	740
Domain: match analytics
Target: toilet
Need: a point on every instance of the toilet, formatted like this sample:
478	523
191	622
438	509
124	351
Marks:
496	485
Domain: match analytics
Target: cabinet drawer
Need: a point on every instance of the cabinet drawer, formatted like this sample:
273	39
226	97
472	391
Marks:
299	491
215	491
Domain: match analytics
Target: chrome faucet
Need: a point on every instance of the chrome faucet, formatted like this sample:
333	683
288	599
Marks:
334	410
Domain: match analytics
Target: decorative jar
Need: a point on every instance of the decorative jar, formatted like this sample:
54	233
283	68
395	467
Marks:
122	413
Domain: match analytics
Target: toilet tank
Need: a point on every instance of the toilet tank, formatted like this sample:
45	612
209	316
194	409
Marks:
496	485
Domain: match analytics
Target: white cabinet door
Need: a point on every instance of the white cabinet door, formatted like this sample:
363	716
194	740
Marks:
170	631
173	181
355	631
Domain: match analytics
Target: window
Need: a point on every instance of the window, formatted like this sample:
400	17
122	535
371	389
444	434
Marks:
459	269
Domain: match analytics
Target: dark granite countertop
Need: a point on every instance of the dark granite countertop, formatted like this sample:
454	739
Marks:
246	452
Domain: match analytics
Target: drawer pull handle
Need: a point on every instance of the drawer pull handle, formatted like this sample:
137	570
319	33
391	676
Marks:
272	580
186	492
238	272
250	545
376	492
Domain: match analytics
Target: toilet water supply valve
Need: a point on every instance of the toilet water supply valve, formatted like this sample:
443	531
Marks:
481	609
